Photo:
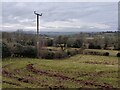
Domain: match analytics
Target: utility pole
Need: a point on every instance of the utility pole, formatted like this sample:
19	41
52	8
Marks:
38	42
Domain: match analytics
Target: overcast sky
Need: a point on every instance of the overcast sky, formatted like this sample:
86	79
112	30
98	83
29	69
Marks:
63	16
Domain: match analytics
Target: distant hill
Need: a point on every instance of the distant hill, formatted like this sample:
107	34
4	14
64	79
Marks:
54	33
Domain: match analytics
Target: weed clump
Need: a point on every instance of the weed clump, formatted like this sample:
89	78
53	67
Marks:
118	54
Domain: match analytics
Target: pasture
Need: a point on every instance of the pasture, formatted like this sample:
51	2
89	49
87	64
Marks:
79	71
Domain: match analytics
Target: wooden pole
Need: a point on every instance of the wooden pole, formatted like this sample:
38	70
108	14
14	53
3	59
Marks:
38	42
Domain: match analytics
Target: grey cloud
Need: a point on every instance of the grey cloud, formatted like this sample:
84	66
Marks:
89	12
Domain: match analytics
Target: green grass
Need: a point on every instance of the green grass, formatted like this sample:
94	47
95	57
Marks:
79	69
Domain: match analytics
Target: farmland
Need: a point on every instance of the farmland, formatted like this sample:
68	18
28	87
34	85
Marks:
83	60
79	71
60	45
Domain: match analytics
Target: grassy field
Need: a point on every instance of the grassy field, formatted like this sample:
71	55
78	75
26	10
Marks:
80	71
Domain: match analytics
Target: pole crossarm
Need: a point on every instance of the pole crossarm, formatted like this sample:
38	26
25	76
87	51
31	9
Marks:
37	13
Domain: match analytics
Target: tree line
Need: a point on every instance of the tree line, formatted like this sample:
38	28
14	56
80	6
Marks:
21	44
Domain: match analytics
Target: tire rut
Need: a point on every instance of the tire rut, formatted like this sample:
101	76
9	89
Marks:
11	83
30	68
